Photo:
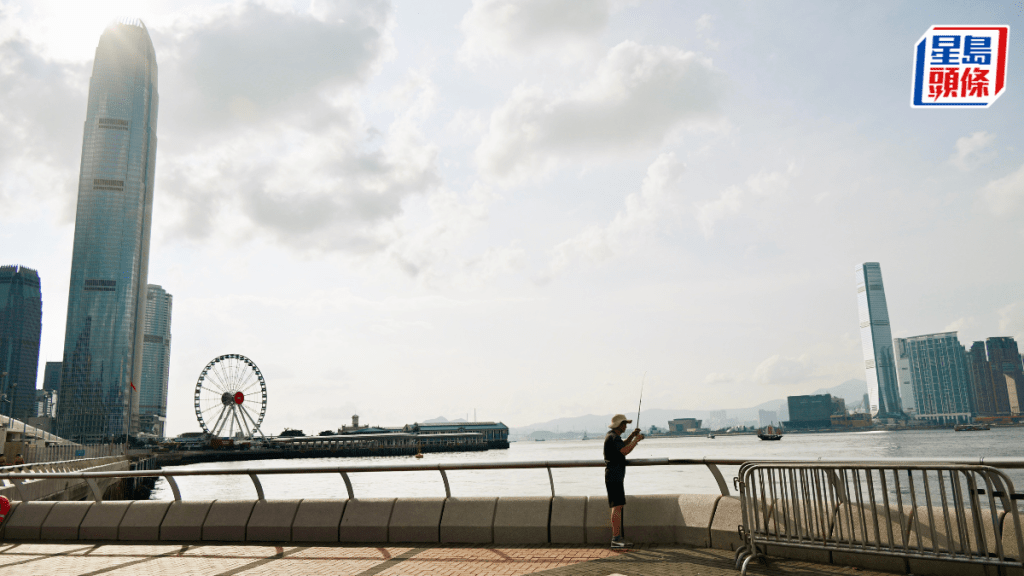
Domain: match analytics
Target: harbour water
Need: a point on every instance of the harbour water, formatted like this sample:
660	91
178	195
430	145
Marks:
1002	442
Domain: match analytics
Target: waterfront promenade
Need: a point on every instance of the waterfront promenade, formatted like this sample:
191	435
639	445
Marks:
392	560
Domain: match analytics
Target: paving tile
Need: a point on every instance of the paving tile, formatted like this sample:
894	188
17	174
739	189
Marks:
434	560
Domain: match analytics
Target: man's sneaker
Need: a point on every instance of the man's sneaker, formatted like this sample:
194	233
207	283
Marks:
619	542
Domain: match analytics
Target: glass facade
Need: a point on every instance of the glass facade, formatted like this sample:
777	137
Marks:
876	341
1007	372
51	377
156	360
988	400
109	266
21	324
940	375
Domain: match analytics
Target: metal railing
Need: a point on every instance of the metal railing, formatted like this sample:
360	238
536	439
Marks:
254	473
944	510
712	464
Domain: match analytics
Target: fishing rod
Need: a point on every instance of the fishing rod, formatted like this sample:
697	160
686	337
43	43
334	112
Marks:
641	400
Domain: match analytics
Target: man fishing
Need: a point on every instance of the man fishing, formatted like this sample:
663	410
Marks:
615	451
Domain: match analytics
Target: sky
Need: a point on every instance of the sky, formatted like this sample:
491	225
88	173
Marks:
521	210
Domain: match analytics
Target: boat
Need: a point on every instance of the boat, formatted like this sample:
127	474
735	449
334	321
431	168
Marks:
539	439
770	434
419	451
970	427
584	436
712	436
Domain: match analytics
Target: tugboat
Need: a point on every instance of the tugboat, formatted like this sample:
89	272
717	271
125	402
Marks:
770	434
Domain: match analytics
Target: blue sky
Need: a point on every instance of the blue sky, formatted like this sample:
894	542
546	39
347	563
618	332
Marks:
520	208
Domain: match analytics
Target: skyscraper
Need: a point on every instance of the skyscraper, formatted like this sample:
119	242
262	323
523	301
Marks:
21	324
904	382
876	341
156	360
939	374
109	266
988	400
1007	371
51	377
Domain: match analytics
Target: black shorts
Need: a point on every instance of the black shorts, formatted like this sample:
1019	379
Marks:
616	492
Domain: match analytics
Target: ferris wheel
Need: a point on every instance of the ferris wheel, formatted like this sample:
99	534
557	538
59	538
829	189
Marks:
232	394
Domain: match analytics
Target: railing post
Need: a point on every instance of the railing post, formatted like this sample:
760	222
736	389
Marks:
723	487
97	494
259	487
174	487
348	486
447	488
551	479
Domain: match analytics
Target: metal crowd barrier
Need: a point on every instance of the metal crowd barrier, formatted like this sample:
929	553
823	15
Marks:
937	511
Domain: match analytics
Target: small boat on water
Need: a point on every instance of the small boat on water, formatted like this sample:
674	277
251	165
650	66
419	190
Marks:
584	436
970	427
712	436
539	439
770	434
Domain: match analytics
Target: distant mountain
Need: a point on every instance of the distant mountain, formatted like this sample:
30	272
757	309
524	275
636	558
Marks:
442	420
851	390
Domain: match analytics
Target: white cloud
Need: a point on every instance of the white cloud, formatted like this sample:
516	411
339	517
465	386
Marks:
779	370
655	200
515	28
1004	195
637	98
971	151
42	107
760	186
704	23
266	137
719	378
1011	322
958	325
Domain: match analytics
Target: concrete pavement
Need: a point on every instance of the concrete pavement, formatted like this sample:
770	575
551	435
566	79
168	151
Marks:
85	559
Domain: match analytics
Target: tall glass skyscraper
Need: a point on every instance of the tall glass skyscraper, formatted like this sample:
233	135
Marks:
156	361
876	341
21	324
940	376
106	304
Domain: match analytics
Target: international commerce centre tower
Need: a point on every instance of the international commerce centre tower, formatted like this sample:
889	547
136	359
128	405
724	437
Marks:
102	368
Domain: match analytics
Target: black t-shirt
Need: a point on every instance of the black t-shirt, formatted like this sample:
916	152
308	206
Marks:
614	459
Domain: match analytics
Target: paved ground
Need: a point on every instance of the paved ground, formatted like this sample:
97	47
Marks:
551	560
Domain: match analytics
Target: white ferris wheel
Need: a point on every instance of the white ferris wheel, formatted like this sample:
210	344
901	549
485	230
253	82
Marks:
231	396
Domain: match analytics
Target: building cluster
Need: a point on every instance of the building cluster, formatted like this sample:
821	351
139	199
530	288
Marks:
112	380
926	379
933	377
816	411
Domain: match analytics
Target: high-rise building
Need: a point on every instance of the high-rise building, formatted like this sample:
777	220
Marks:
940	376
1007	372
21	324
109	265
988	400
156	360
766	417
811	411
903	377
51	377
876	341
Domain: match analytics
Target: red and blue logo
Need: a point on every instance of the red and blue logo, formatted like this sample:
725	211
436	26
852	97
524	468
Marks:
960	66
